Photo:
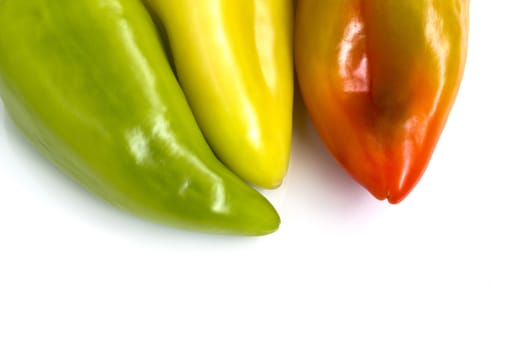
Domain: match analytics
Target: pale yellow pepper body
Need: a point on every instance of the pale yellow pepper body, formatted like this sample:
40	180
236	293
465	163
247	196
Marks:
234	61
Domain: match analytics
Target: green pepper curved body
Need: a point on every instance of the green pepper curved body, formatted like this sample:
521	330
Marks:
88	82
234	60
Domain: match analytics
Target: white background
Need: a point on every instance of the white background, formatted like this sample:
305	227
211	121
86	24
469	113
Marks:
445	269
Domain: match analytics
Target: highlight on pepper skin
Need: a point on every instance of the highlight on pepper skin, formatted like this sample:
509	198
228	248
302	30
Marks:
379	79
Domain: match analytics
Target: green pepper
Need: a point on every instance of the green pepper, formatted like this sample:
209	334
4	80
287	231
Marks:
234	60
89	84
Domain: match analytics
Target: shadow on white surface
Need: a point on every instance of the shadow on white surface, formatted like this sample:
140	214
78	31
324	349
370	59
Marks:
317	190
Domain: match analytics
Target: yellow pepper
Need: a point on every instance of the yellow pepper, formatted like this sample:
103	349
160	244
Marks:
233	59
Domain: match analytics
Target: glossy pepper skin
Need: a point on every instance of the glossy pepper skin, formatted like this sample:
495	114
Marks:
234	60
379	78
88	83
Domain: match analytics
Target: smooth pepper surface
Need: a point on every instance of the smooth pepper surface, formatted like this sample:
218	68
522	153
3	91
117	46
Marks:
88	83
379	78
234	60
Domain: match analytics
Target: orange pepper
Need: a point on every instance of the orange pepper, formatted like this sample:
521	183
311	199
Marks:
379	79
